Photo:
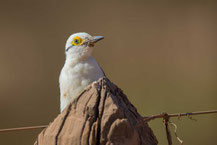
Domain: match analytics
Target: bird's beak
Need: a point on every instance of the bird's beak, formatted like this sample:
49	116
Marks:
97	38
94	39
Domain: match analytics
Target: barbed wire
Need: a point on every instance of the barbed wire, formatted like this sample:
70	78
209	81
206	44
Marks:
23	128
166	120
188	114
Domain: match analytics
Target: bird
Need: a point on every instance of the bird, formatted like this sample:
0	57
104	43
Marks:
80	68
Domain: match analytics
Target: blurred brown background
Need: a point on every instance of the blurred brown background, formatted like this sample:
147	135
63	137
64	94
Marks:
163	54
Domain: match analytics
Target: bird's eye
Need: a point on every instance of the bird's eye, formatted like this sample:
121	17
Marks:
77	41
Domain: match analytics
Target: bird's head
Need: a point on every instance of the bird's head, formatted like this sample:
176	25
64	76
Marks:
79	45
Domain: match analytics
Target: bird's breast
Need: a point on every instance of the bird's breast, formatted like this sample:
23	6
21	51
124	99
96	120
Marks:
75	79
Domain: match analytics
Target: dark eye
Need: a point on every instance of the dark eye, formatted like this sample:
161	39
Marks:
76	41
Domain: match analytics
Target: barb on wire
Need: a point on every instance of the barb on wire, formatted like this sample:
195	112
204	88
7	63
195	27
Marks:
191	118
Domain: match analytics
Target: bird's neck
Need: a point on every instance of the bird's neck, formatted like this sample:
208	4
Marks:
72	60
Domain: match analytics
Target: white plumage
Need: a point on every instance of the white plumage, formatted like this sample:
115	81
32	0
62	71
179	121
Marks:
80	68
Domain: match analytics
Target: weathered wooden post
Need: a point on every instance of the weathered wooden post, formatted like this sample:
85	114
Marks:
101	115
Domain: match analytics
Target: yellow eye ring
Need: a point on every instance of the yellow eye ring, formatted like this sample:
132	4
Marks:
77	41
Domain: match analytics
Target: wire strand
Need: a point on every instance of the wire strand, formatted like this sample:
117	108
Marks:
149	118
146	119
23	128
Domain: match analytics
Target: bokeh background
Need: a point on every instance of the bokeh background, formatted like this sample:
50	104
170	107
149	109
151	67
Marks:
163	54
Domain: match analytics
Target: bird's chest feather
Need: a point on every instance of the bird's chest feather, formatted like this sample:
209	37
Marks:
74	79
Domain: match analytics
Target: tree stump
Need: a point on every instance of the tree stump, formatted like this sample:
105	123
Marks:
100	115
